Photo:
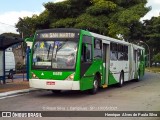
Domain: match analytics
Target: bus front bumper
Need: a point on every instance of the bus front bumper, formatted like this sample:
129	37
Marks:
54	84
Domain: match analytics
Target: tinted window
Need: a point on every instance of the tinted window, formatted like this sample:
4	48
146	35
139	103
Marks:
113	55
113	51
120	56
118	51
97	48
86	49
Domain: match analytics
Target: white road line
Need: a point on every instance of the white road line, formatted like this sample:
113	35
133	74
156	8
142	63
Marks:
12	96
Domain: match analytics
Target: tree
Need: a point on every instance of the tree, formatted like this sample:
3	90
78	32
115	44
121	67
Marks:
126	20
107	17
26	26
156	58
11	35
151	33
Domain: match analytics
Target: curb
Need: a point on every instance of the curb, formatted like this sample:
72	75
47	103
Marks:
152	71
15	92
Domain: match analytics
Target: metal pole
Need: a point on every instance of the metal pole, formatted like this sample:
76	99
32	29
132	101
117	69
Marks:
4	68
27	64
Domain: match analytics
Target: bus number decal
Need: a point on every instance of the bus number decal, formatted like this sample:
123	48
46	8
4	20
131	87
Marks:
57	73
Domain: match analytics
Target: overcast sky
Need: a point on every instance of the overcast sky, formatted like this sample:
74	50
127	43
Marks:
11	10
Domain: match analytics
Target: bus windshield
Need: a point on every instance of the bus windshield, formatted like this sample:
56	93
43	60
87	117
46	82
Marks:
55	54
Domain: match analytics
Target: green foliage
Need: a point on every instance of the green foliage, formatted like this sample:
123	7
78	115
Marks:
128	3
42	21
132	14
156	58
152	34
58	10
92	23
125	20
108	17
101	7
64	23
10	34
27	25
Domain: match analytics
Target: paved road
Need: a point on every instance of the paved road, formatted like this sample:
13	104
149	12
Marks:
133	96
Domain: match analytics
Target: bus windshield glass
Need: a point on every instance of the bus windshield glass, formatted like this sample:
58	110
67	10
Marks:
55	54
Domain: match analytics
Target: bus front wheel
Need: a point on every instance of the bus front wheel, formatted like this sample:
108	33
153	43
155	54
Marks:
95	86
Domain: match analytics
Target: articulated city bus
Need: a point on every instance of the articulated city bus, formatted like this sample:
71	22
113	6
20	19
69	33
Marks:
75	59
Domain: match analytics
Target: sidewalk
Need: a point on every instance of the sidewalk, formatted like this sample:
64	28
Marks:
15	86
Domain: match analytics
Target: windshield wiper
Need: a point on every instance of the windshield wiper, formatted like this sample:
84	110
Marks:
59	47
49	51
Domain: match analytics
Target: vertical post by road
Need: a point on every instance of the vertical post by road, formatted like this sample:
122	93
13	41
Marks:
4	68
27	62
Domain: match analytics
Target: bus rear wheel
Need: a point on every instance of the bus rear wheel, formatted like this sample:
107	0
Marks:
138	77
121	80
95	86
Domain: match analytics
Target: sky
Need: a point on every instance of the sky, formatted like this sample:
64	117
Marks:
11	10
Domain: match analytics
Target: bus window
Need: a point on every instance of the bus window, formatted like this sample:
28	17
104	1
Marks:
97	48
120	52
86	52
139	54
125	53
113	55
113	51
120	56
126	56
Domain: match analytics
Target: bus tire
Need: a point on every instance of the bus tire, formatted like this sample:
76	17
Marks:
138	77
121	80
56	91
94	90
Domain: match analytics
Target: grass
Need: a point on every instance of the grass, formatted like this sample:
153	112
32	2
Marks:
153	69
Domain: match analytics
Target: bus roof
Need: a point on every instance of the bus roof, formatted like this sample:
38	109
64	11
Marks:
109	38
58	30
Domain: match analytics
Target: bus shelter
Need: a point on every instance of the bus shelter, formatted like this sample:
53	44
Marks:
6	42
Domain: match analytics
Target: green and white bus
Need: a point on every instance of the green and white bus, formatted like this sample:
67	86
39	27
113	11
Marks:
75	59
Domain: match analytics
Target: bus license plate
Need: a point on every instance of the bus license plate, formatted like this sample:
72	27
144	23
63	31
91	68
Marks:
50	83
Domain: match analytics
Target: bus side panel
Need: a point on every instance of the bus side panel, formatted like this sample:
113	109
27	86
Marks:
78	63
142	64
115	69
111	79
142	68
86	81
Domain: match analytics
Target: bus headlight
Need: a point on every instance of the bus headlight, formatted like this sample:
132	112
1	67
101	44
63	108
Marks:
34	76
70	77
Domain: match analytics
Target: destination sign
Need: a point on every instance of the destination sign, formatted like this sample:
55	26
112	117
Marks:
57	35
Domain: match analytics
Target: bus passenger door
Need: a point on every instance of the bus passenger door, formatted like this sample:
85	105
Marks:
135	62
106	63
